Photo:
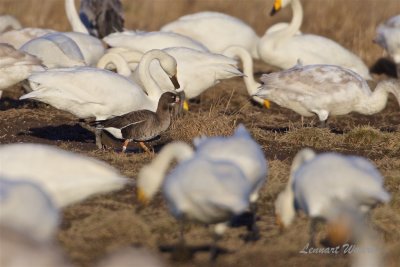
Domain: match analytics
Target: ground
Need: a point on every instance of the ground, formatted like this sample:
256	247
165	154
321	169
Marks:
105	223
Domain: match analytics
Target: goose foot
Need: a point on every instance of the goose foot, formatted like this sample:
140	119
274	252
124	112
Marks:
145	148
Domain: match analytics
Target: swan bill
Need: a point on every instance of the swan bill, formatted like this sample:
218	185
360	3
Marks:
185	105
277	6
267	104
175	82
141	196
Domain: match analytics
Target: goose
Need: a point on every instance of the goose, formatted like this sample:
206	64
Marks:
321	185
250	160
388	37
16	66
96	17
197	189
326	90
8	22
56	50
248	77
283	48
142	125
67	177
144	41
18	38
217	31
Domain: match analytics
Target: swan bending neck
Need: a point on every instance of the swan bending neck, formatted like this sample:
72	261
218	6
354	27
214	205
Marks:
73	17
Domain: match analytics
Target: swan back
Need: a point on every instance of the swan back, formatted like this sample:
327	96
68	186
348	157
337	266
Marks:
8	22
67	177
92	48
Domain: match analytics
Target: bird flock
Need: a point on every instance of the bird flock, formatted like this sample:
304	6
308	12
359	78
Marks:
133	84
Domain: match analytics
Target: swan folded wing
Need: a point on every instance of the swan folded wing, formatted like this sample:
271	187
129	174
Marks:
66	45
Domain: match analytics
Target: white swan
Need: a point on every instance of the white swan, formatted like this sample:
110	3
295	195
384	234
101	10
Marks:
322	185
8	22
55	50
326	90
283	48
18	38
198	188
217	31
65	176
16	66
388	36
145	41
247	62
98	18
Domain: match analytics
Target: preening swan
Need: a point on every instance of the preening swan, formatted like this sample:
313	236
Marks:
65	176
145	41
56	50
96	17
16	66
283	48
198	188
326	90
388	36
217	31
322	185
247	63
8	22
18	38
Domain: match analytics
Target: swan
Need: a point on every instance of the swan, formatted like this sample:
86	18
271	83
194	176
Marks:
247	62
56	50
322	185
217	31
388	37
16	66
283	48
326	90
8	22
18	38
96	17
145	41
198	188
67	177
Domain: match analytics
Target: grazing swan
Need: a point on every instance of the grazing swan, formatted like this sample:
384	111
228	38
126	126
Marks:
388	36
96	17
198	188
145	41
283	48
247	62
141	125
16	66
217	31
326	90
321	185
8	22
18	38
65	176
56	50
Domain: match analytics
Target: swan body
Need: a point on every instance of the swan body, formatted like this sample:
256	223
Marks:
321	185
241	150
145	41
283	48
388	37
16	66
18	38
217	31
325	90
65	176
96	17
55	50
89	92
198	188
8	22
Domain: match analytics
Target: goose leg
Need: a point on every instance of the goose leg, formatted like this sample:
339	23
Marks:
145	148
125	145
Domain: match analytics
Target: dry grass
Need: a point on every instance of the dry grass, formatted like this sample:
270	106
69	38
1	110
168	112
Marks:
106	223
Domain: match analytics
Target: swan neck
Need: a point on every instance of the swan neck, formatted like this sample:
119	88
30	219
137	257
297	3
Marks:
376	101
117	60
73	17
150	86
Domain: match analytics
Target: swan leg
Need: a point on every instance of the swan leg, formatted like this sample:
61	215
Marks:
322	124
254	233
219	229
125	145
181	252
313	229
97	134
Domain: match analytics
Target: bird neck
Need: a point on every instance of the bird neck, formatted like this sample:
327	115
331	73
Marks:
73	17
150	85
375	102
118	61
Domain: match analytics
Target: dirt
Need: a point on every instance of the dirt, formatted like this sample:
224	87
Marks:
105	223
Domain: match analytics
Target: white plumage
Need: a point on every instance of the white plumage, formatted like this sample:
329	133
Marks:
18	38
8	22
66	177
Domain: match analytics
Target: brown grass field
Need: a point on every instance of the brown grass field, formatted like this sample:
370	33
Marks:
102	224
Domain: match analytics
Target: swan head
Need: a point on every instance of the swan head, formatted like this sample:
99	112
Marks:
278	5
170	66
284	208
